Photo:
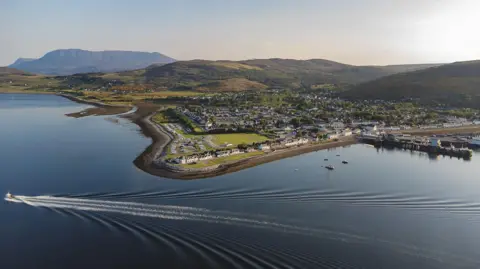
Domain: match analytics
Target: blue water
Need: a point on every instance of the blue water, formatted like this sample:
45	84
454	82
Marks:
385	209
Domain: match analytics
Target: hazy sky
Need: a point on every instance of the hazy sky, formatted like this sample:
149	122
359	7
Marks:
349	31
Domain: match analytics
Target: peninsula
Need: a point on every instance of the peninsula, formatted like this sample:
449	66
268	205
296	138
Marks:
208	118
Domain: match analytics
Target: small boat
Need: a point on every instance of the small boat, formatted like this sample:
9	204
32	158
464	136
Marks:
12	198
325	159
338	154
330	167
296	169
345	162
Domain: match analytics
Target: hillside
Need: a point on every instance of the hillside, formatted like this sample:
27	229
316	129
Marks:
281	73
455	84
6	71
222	76
72	61
20	61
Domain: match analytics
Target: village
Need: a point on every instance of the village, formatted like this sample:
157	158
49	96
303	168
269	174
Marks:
231	126
264	129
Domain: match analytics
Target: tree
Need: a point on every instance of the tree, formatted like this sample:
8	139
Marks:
295	122
243	145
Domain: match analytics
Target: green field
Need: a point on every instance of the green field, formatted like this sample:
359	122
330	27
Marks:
223	160
236	139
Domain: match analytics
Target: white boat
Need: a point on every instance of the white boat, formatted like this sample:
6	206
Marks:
330	167
11	198
344	161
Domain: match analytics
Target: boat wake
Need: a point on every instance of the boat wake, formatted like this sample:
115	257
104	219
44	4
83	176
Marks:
97	210
158	211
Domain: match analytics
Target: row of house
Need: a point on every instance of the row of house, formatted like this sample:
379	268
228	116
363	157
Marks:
207	156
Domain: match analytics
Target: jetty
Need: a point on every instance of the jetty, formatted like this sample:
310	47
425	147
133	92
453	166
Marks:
449	146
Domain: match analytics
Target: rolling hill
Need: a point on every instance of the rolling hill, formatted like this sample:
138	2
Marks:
455	84
72	61
281	73
6	71
215	76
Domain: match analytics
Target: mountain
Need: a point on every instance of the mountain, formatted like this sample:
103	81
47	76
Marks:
72	61
19	61
456	84
281	73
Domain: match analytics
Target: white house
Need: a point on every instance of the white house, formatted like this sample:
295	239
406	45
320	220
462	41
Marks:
205	157
332	136
263	147
347	132
295	142
187	159
222	153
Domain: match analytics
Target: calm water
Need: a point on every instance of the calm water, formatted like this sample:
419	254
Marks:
89	207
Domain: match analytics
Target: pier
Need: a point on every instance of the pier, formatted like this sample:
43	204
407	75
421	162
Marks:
431	145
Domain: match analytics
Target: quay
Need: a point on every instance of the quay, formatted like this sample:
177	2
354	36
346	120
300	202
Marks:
449	146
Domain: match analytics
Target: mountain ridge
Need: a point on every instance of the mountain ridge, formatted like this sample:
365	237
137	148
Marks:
71	61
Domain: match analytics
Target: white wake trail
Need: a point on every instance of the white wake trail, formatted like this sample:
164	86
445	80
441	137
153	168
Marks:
157	211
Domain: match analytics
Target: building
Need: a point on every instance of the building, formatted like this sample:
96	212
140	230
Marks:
347	132
296	142
371	128
263	147
332	136
223	153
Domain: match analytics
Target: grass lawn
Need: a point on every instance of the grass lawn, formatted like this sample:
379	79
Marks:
234	139
239	138
223	160
163	117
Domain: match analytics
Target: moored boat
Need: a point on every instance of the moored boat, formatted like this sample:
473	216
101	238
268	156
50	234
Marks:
330	167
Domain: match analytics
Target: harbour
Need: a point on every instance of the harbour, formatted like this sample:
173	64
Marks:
453	146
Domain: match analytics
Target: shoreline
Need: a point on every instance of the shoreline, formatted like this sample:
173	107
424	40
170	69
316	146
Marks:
162	138
147	161
86	102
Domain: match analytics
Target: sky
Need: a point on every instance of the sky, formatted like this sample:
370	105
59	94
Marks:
359	32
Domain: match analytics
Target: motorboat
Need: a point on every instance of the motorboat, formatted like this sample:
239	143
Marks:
10	197
325	159
330	167
344	161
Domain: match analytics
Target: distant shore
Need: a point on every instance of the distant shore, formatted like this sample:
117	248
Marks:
98	109
87	102
18	91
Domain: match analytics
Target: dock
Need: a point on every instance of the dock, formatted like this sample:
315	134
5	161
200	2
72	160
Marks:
449	146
